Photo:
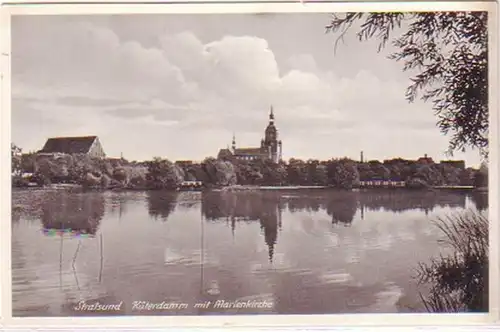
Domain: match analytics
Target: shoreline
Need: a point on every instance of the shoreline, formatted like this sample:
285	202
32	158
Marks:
244	188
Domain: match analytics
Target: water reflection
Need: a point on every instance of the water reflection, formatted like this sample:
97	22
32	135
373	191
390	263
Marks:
75	216
161	204
80	213
480	200
279	246
267	207
399	201
118	203
341	206
246	207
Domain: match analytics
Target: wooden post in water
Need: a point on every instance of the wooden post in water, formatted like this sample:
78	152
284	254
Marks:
76	253
202	252
102	257
60	262
76	278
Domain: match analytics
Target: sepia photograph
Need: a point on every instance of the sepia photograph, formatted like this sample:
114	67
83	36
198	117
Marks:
250	163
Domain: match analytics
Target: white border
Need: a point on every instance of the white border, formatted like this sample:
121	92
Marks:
251	320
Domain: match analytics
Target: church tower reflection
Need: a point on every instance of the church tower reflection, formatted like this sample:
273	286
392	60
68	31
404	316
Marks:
233	225
233	208
362	208
270	223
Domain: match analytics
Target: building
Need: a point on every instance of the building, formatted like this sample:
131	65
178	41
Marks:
88	145
184	163
270	146
454	163
425	160
190	185
382	184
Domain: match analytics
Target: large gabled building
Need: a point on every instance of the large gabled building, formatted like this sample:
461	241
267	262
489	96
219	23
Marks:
89	145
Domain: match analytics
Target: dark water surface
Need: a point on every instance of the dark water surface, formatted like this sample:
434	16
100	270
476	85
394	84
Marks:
304	252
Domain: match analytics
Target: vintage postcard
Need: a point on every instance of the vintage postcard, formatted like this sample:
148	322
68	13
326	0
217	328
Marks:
250	165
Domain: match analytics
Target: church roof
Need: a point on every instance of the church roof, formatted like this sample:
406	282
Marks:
224	153
248	151
69	145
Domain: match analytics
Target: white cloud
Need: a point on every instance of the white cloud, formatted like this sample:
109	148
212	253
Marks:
79	73
303	62
243	63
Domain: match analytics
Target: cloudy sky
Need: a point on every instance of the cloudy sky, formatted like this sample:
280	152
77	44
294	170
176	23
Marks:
178	86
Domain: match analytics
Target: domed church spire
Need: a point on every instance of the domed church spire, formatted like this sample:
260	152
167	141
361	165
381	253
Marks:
271	138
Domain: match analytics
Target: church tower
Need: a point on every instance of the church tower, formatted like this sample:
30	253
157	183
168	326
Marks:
233	144
271	144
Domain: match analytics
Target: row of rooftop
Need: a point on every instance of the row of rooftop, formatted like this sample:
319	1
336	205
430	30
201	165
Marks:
91	145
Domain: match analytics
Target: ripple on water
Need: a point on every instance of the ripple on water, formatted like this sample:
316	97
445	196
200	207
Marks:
52	287
335	277
316	267
191	259
387	300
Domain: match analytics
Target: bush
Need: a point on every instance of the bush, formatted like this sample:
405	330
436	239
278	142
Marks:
18	181
459	282
416	183
120	175
91	180
105	181
136	176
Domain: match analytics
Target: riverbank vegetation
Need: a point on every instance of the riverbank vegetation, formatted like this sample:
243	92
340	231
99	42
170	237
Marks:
459	281
161	173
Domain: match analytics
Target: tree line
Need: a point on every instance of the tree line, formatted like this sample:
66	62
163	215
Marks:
160	173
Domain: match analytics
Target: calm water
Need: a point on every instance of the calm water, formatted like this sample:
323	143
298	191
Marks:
297	253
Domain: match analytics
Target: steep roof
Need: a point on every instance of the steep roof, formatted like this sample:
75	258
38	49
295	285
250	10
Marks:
248	151
69	145
224	153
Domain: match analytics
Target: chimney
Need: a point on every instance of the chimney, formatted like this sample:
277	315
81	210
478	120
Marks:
361	156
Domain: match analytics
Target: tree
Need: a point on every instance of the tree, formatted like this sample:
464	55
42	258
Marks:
15	153
481	176
343	173
273	174
163	174
225	173
321	176
219	172
296	172
467	177
429	175
45	170
451	174
449	53
248	172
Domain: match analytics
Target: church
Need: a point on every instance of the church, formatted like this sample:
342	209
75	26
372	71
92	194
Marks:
270	146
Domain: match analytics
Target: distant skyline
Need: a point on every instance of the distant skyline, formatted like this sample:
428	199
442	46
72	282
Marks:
179	86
